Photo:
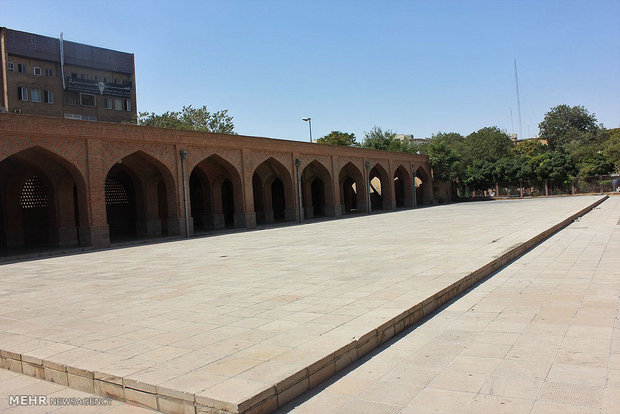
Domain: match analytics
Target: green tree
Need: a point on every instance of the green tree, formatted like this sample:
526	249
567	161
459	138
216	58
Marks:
444	152
189	118
511	169
555	166
479	174
339	138
611	148
377	138
488	144
574	131
530	147
386	140
564	125
590	159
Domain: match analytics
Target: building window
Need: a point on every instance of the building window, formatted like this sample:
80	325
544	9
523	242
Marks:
21	68
87	100
81	117
22	93
73	75
49	72
37	71
127	103
72	99
11	66
84	76
35	95
48	96
107	103
118	104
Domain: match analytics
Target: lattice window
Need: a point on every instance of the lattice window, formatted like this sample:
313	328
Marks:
33	193
115	192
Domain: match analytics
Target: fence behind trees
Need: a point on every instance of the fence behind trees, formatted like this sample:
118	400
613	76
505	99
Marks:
577	185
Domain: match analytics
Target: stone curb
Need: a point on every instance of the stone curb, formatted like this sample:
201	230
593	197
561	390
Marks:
275	396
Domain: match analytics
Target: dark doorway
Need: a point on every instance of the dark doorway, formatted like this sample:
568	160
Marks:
120	200
399	191
277	199
259	205
197	202
228	203
349	196
162	206
318	197
2	222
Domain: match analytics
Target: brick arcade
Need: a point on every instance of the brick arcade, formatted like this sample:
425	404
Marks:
70	183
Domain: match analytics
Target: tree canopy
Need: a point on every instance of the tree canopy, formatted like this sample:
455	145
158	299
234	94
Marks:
564	125
445	153
339	138
575	132
488	144
377	138
611	147
386	140
190	118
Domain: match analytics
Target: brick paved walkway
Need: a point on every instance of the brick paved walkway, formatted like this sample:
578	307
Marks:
540	336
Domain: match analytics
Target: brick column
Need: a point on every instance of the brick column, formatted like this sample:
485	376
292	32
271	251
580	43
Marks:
249	216
389	192
334	207
97	231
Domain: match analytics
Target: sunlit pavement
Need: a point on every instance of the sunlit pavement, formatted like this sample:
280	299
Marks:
221	320
541	336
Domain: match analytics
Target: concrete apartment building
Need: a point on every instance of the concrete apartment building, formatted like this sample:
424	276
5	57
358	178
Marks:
42	75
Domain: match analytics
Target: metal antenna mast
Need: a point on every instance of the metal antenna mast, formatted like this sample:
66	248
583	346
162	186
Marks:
518	101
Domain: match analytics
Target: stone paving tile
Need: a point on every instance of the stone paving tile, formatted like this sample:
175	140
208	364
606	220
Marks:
281	298
542	336
12	383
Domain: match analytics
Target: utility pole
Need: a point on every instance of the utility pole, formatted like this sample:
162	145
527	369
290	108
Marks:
518	101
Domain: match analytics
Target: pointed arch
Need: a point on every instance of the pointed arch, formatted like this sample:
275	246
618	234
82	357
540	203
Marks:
274	195
43	201
216	195
353	193
423	187
318	197
141	198
403	187
380	188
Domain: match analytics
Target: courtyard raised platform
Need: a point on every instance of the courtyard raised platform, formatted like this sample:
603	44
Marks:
246	322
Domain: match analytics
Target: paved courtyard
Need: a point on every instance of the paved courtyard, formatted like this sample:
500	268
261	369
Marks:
224	320
541	336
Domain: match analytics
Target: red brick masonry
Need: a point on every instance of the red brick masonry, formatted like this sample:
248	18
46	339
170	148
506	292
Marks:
66	182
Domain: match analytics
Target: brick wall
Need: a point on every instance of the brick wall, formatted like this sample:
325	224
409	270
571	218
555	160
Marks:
88	152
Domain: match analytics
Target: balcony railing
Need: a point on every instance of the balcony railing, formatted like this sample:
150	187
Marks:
98	88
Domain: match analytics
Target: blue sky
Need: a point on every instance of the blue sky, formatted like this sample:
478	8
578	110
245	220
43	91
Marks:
410	66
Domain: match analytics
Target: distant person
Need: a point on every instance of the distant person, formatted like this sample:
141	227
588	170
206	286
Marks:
616	184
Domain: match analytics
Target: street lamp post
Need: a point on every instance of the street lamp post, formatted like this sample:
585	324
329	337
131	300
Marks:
309	120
